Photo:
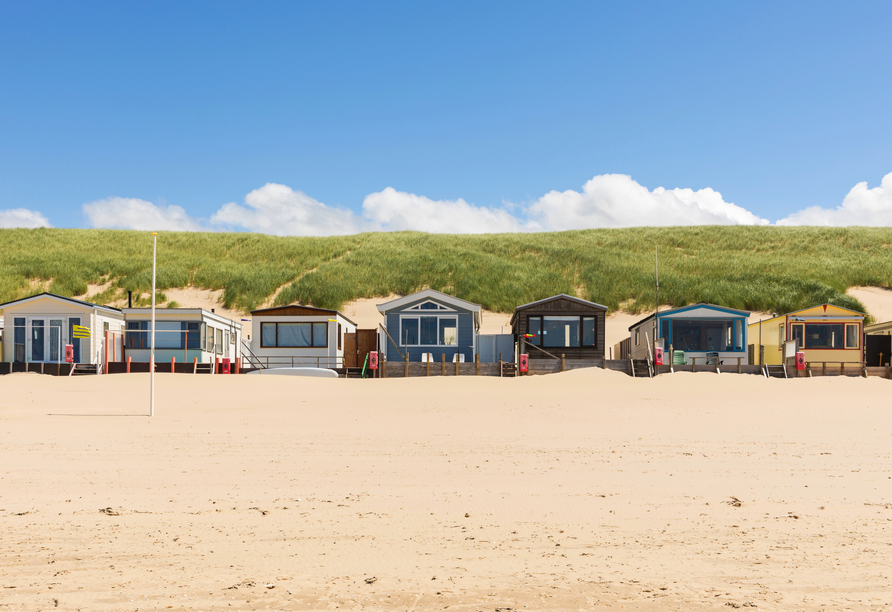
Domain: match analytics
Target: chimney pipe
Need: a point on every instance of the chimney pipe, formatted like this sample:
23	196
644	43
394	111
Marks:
129	299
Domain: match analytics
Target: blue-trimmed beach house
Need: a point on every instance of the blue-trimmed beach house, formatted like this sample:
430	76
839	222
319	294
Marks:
430	324
700	330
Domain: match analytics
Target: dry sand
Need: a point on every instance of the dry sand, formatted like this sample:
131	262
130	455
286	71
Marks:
582	490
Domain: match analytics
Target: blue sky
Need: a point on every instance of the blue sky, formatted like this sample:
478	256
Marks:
168	111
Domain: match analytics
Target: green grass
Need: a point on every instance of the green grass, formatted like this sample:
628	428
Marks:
753	268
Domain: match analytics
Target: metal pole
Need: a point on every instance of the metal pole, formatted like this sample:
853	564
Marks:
152	345
657	311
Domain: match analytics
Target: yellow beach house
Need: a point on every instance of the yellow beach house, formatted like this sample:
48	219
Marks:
826	334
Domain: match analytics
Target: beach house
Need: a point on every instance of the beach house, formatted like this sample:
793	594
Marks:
560	325
39	327
706	332
827	334
878	344
301	336
430	326
182	335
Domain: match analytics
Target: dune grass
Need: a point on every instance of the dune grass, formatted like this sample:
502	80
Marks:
752	268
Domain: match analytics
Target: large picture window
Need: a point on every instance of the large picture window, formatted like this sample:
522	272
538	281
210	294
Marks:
830	336
562	331
294	335
429	331
168	335
699	336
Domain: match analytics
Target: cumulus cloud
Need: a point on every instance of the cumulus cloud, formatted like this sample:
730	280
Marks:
135	214
22	217
861	206
281	211
615	200
394	210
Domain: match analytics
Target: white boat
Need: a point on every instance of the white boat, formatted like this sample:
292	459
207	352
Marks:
314	372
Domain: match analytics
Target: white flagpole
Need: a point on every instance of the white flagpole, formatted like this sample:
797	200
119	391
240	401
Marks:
152	351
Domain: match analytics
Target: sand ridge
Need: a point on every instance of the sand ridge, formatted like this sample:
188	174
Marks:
570	491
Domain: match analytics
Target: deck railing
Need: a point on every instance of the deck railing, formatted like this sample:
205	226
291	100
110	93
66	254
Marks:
285	361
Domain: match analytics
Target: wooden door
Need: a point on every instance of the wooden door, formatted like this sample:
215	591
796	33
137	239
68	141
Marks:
366	341
349	350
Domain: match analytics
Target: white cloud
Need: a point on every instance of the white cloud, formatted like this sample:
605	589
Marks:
396	210
22	217
281	211
615	200
861	206
135	214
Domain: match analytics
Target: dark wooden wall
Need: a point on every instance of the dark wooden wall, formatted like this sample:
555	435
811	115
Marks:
564	308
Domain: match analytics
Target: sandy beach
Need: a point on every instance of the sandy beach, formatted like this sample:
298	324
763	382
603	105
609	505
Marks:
582	490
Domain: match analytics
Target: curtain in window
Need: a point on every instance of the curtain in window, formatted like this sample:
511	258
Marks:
428	330
448	332
320	330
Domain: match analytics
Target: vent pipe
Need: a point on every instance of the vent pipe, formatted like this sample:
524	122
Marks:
129	299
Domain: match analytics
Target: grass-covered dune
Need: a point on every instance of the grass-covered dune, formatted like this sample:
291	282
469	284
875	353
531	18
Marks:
754	268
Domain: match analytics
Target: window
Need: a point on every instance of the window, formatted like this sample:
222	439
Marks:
18	339
664	331
339	336
780	336
705	335
429	330
294	335
851	336
193	335
428	306
409	333
209	340
588	331
168	335
637	338
797	334
562	332
824	335
448	332
219	341
136	337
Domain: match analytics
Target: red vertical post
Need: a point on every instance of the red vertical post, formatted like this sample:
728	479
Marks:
128	364
216	365
105	368
173	360
238	365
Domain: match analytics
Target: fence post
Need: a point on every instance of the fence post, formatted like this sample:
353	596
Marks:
238	365
195	365
563	363
128	364
500	365
382	365
443	362
427	360
693	364
477	362
738	365
216	364
173	360
407	363
457	361
105	361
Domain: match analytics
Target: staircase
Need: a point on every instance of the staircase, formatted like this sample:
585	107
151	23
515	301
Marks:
641	367
774	371
509	370
350	372
204	368
250	360
83	369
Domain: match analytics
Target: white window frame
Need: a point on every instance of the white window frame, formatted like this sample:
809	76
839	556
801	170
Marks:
417	317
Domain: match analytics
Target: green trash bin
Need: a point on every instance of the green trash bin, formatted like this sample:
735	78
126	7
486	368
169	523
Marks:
678	358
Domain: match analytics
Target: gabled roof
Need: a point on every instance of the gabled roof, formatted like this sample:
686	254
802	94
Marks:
823	307
731	311
61	299
429	294
433	294
560	296
297	310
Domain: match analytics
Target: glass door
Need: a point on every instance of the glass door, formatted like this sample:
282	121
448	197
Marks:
38	339
55	341
75	342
